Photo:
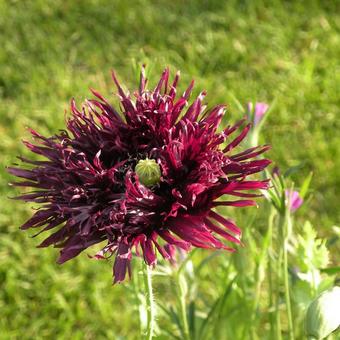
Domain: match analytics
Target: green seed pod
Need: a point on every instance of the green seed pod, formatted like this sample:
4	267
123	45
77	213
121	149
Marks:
148	172
323	314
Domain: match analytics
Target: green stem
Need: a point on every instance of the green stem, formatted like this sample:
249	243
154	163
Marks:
270	297
277	302
286	226
260	269
150	303
269	273
182	301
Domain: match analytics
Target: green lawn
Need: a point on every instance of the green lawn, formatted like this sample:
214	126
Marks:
286	53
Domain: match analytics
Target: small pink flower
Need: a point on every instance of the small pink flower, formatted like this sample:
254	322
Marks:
294	200
259	111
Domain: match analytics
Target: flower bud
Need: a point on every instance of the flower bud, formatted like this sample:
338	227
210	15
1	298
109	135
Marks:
323	314
258	111
293	200
148	172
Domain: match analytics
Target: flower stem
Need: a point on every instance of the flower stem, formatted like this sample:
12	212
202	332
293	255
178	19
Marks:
286	278
277	297
285	228
150	303
287	293
182	284
270	268
260	269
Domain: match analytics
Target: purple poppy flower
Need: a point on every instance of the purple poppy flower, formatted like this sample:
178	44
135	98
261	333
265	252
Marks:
259	111
294	200
145	179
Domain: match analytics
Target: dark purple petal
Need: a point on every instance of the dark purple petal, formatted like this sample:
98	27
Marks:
193	230
239	203
168	237
122	262
149	253
229	224
221	232
238	139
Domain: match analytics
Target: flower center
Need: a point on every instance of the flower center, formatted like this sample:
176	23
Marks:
148	172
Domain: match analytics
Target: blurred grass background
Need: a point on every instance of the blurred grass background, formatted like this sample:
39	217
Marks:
269	51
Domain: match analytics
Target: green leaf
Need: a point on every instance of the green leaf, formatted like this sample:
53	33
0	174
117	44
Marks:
312	252
294	169
192	323
215	310
330	270
173	317
305	185
236	101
